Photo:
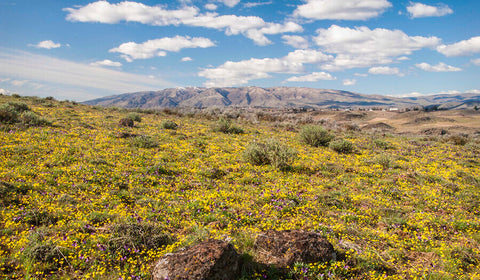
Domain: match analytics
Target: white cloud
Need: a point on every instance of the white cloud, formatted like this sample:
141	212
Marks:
444	92
18	83
184	59
349	82
157	47
342	10
441	67
64	74
384	70
252	27
295	41
256	4
238	73
4	91
229	3
315	76
104	12
402	58
475	61
363	47
106	62
360	75
211	6
48	44
462	48
418	10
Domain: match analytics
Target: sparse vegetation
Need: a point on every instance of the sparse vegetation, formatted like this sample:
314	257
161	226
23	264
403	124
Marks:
89	199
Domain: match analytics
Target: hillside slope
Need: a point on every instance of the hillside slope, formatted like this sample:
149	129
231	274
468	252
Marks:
276	97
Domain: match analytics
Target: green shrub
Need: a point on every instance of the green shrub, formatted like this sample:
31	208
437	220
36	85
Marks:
10	112
381	144
29	118
169	125
135	117
18	107
271	152
143	141
342	146
139	236
459	140
225	126
315	135
126	122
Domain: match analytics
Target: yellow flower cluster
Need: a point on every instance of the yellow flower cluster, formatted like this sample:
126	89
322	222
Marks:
407	212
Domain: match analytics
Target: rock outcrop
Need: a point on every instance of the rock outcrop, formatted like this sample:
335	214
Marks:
211	259
218	260
285	248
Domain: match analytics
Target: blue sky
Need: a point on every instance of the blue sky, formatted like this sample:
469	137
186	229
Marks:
80	50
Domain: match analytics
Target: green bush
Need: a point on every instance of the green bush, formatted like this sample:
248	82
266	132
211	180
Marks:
271	152
169	125
342	146
143	141
135	117
315	135
10	112
225	126
126	122
29	118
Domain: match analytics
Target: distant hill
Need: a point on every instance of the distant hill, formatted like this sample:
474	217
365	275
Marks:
275	97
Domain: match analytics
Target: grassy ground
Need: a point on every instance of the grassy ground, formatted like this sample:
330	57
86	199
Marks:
82	197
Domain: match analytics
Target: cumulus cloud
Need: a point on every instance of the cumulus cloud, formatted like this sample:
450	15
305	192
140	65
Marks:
106	62
238	73
476	61
363	47
211	6
295	41
47	44
184	59
229	3
158	47
349	82
384	70
418	10
462	48
314	77
64	74
252	27
441	67
342	10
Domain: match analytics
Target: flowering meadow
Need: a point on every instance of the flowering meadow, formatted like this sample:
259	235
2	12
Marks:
83	197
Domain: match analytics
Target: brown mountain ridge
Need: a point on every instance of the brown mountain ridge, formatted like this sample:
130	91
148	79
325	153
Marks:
276	97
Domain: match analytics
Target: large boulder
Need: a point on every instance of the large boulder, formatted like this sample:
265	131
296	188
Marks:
285	248
209	260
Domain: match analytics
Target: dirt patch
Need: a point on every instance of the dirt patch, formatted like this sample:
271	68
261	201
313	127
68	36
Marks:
381	126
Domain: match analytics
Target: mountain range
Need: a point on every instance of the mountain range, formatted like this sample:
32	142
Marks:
278	97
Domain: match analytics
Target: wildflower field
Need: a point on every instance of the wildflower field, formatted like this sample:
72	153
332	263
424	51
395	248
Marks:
82	197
